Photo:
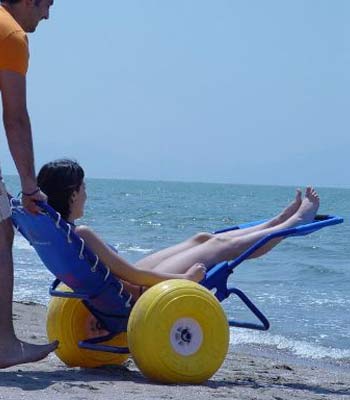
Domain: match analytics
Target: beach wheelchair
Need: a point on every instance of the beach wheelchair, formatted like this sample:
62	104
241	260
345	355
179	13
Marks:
176	332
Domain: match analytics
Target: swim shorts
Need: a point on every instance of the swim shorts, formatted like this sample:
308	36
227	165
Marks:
5	210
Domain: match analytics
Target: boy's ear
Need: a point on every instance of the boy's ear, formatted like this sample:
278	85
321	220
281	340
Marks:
73	197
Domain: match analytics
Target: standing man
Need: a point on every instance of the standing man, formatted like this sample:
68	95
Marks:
16	18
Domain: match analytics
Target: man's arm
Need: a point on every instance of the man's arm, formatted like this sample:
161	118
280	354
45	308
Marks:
17	126
18	132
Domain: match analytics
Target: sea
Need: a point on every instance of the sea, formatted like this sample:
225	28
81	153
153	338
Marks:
302	285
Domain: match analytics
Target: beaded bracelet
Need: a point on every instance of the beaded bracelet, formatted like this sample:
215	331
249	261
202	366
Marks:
37	190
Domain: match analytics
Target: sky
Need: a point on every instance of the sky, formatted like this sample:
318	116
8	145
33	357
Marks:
248	91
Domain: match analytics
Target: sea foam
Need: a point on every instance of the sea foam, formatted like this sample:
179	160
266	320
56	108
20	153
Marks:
299	348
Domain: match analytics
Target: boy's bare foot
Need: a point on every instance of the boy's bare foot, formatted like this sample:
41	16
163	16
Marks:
290	210
277	220
14	351
308	209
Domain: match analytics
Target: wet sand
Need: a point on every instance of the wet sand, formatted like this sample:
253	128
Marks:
244	375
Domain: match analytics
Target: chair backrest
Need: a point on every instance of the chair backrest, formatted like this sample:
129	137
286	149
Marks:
65	254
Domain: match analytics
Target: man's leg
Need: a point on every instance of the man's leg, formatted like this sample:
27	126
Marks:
12	350
6	280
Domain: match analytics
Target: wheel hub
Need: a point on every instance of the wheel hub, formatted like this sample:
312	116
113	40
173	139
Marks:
186	336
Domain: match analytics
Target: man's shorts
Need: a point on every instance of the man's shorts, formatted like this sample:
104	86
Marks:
5	210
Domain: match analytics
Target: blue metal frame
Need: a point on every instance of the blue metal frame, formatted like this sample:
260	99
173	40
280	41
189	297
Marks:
217	277
102	293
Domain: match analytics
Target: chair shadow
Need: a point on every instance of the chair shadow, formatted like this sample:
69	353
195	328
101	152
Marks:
40	380
85	378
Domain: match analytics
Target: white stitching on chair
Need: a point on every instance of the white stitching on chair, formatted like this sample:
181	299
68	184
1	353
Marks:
121	289
127	303
69	240
13	206
58	220
93	269
107	274
81	256
12	200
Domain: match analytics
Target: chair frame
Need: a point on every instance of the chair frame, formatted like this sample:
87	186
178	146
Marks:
106	294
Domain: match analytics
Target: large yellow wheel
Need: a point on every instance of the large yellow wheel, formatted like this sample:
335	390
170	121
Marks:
69	322
178	333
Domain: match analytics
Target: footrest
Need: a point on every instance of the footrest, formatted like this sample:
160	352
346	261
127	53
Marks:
60	293
94	344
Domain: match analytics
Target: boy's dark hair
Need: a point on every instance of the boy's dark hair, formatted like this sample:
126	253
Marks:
58	180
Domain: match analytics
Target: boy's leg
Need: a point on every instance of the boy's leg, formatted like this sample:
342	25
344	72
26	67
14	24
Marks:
151	261
219	249
155	259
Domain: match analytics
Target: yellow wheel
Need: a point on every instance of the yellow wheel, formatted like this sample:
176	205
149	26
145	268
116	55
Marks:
178	333
69	322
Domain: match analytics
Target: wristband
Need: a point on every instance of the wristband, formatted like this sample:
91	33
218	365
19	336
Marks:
37	190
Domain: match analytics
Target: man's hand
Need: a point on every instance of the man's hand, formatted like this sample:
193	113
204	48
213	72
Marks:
29	202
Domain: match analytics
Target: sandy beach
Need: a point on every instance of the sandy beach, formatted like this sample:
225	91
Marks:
242	376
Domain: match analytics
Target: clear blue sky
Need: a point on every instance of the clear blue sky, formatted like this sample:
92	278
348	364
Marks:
245	91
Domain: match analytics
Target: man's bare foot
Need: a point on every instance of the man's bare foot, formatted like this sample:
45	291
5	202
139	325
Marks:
17	352
290	210
308	209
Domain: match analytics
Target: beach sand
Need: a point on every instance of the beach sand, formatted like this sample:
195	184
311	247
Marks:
242	376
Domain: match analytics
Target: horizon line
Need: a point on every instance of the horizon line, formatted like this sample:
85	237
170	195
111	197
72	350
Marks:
323	186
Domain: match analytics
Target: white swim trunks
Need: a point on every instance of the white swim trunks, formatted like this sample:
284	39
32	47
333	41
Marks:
5	210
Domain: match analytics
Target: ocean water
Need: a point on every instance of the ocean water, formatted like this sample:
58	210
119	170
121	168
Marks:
302	285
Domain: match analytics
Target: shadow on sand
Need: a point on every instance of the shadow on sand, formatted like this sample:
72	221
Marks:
86	378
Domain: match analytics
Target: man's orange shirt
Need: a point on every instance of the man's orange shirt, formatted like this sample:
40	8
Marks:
14	53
